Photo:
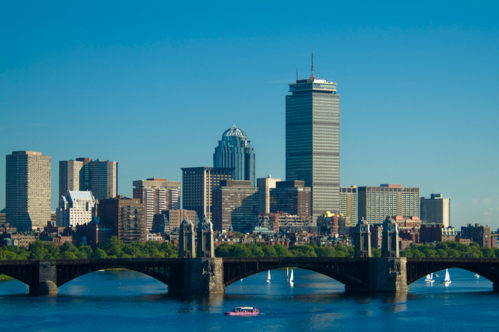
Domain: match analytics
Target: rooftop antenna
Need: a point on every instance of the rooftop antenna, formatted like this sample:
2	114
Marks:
297	73
312	76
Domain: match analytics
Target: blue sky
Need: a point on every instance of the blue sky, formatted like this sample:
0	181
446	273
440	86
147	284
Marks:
153	85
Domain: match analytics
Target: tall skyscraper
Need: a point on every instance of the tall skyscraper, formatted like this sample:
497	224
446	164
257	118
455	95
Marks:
197	186
27	190
158	195
313	140
377	203
82	174
235	151
435	210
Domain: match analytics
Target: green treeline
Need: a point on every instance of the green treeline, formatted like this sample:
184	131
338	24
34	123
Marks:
264	250
113	248
449	249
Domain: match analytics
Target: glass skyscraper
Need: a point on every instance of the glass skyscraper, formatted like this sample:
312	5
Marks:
313	140
235	151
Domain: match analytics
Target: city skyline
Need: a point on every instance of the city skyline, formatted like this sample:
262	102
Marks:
418	90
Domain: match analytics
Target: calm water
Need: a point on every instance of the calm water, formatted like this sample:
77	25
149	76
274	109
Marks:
130	301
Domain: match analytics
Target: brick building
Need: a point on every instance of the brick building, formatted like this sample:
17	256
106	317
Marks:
127	217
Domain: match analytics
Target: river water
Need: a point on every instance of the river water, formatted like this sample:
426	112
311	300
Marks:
129	301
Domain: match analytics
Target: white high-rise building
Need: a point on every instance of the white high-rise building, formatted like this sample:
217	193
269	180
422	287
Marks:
435	210
75	208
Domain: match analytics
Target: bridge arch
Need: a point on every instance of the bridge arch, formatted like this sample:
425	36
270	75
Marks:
352	275
64	277
20	271
419	268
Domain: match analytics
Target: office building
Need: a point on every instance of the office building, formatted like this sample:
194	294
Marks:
235	205
168	220
349	204
435	210
376	203
69	176
27	190
103	179
127	216
264	186
83	174
157	195
477	233
75	208
291	197
197	186
430	233
313	140
235	151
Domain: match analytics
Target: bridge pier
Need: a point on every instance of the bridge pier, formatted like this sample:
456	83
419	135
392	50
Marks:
388	275
45	282
203	276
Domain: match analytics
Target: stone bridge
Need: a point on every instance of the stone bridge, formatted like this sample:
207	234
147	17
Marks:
207	274
212	275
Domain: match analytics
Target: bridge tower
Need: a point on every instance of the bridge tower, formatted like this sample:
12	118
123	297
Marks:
388	274
186	240
203	274
362	239
390	240
205	245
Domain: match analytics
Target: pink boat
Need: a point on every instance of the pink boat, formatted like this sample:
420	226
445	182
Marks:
243	311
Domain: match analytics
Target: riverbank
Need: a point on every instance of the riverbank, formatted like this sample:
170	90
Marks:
3	277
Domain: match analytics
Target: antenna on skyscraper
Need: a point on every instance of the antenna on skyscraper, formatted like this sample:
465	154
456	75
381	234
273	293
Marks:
297	73
312	76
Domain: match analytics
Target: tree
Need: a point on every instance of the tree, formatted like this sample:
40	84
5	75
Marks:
269	251
240	250
282	251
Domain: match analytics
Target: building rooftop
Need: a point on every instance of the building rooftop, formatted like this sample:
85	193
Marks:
234	131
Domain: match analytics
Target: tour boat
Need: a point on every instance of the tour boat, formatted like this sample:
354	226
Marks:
447	280
268	276
477	275
243	311
429	278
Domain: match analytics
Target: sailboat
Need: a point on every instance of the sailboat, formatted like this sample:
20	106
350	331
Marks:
477	276
429	278
268	276
287	273
447	280
291	278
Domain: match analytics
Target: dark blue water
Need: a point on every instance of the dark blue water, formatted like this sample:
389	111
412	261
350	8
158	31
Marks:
130	301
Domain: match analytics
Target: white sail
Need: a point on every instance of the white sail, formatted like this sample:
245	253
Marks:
291	277
429	278
447	280
269	275
287	272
